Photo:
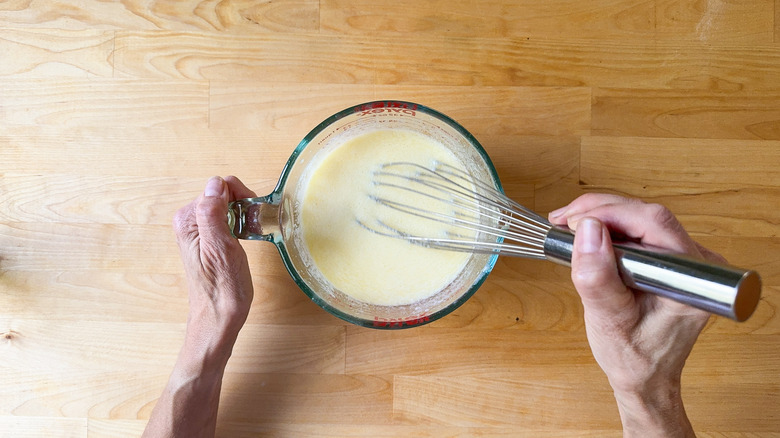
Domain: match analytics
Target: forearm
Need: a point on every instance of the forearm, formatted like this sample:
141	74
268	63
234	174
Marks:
188	406
656	412
220	295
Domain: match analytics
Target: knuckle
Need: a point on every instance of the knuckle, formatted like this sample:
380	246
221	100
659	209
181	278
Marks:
208	217
663	216
589	195
597	198
670	232
590	198
202	209
664	219
207	210
592	278
181	221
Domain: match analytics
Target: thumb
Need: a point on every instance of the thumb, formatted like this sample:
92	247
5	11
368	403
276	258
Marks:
211	211
595	273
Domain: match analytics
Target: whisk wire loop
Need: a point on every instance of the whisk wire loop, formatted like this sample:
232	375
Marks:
435	178
492	223
497	197
469	205
468	225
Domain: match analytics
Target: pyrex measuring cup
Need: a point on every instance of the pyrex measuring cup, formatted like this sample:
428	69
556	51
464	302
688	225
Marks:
277	217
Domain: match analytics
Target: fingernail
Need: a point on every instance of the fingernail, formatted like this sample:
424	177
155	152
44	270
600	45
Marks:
557	213
589	234
213	187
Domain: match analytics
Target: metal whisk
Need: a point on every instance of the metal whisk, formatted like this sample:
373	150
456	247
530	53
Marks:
461	213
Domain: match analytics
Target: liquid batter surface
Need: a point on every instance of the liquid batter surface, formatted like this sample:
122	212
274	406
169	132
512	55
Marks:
370	267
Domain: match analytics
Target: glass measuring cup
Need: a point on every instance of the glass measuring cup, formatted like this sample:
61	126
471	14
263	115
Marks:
277	217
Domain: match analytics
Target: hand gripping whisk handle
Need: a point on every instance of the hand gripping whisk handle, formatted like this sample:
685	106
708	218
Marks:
723	290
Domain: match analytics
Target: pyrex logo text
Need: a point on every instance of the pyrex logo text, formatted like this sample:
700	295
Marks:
387	107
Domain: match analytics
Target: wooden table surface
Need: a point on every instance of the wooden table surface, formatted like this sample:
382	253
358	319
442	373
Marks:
114	114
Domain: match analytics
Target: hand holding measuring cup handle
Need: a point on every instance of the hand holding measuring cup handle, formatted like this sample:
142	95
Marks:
640	340
220	295
215	264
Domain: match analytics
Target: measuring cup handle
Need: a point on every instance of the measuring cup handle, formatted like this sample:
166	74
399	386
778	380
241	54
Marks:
721	289
254	218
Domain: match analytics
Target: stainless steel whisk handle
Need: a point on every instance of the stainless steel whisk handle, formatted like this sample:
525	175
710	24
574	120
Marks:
723	290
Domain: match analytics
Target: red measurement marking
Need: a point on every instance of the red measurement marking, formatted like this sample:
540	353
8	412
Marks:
393	322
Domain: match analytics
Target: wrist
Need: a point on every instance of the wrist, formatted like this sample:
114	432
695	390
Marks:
207	347
653	412
214	324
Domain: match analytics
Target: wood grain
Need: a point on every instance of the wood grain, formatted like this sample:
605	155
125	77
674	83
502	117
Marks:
505	303
94	296
660	113
480	61
406	353
103	103
777	21
32	427
290	108
393	431
721	21
115	428
81	394
473	401
40	53
241	16
194	153
100	346
307	398
133	428
145	297
42	247
715	21
93	199
746	21
496	18
454	401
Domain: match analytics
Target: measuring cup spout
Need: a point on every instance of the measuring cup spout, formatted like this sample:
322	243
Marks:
254	218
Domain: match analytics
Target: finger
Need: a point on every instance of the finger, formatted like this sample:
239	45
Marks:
237	189
584	204
211	211
594	272
651	224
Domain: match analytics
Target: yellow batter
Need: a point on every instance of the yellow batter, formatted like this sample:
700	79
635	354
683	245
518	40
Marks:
369	267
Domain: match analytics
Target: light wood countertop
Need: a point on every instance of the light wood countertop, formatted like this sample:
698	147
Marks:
114	114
